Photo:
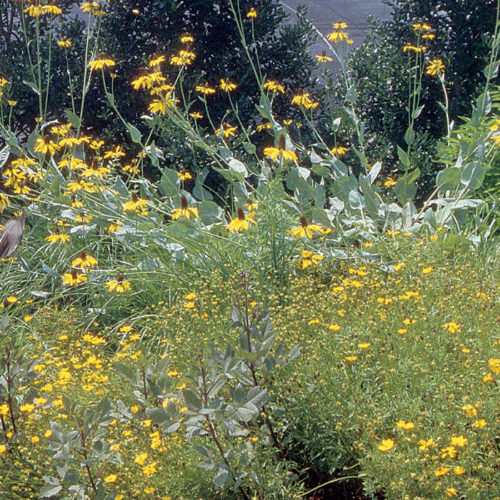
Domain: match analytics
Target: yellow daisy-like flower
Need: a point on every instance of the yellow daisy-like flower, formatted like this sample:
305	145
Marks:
435	67
46	145
306	229
84	261
74	278
196	115
338	35
252	13
275	153
227	86
119	285
111	478
184	211
226	130
64	43
57	237
101	62
339	150
323	58
157	60
305	100
205	89
273	86
405	425
184	176
187	38
387	445
241	222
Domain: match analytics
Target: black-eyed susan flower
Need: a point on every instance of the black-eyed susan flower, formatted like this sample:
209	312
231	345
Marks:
57	237
241	222
226	130
136	204
64	43
101	62
227	86
339	35
274	86
323	58
74	278
157	60
46	145
435	67
306	229
275	153
84	261
185	211
304	99
119	285
205	89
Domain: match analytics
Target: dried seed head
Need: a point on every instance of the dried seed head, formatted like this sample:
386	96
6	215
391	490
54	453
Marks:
241	214
184	203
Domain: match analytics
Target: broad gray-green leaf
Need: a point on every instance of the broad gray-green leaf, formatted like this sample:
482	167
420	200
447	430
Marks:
169	183
73	118
403	158
238	169
448	179
405	188
32	86
472	175
410	136
374	171
209	211
135	135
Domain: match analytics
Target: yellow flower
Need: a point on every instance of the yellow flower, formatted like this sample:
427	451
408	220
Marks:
64	43
226	130
187	38
494	365
389	183
305	100
420	26
141	458
252	13
435	67
184	211
458	470
339	151
273	86
101	62
451	492
387	445
226	85
405	425
448	452
118	285
196	115
46	145
441	471
481	423
427	270
338	35
364	345
459	441
74	278
306	229
3	449
274	153
452	327
323	58
157	60
111	478
412	48
84	260
241	222
470	410
334	327
424	445
205	89
184	176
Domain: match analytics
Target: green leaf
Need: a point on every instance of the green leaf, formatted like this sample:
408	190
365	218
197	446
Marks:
192	400
403	158
410	136
73	118
32	86
49	491
406	189
169	183
238	168
473	175
249	148
135	135
491	71
448	179
210	212
221	477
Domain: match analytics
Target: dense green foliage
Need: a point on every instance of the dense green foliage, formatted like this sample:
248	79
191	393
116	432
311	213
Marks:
380	70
